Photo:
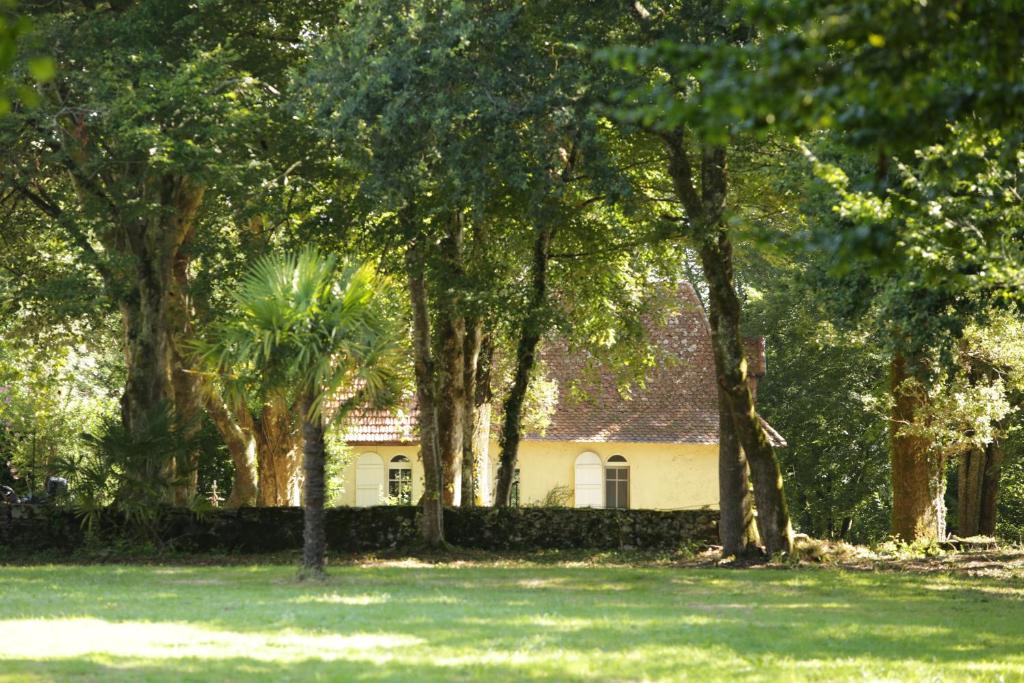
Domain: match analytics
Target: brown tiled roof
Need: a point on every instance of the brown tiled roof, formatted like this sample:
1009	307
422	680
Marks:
678	402
383	426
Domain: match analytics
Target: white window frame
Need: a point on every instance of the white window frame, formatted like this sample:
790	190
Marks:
401	466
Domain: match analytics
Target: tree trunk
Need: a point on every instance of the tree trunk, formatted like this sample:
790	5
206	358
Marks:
186	383
277	453
450	370
314	533
705	210
970	482
526	357
154	308
148	361
471	417
731	367
432	520
990	489
147	289
737	528
451	404
265	451
242	449
978	490
918	510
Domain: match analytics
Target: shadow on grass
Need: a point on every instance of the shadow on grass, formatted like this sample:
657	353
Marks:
503	623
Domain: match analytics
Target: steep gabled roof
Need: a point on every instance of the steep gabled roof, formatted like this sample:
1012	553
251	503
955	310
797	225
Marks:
678	402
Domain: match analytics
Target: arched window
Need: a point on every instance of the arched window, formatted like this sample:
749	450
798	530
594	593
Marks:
400	480
587	488
369	480
616	483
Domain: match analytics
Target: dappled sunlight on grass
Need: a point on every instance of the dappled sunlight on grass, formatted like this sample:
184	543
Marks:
418	621
336	599
42	638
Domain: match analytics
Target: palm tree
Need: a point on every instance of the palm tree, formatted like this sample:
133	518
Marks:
313	330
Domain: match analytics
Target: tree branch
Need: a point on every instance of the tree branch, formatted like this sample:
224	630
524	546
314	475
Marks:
681	171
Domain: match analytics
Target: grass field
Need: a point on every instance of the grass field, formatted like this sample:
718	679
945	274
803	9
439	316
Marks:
493	622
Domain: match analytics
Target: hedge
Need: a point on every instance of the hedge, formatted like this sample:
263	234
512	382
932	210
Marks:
265	530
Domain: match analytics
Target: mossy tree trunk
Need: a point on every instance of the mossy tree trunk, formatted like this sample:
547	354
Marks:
450	370
531	330
705	207
451	404
432	519
737	529
918	481
471	356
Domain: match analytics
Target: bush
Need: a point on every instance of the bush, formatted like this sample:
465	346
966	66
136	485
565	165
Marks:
268	530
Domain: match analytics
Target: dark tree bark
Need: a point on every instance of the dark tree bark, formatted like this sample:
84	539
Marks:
918	484
314	534
432	519
970	480
526	357
450	374
705	211
978	490
772	513
471	417
451	404
737	529
990	489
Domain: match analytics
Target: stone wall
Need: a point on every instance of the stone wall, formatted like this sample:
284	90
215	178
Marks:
260	530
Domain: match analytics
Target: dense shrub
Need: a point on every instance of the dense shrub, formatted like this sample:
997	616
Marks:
259	530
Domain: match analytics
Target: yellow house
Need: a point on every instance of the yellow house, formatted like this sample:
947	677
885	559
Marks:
655	447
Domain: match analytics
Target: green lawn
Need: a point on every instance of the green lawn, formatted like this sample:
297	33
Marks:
513	622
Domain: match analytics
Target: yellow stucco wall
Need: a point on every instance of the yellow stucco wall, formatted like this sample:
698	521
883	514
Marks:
347	495
662	476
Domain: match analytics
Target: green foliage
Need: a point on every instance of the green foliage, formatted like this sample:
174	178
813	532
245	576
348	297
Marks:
977	402
132	471
50	395
40	68
306	326
820	390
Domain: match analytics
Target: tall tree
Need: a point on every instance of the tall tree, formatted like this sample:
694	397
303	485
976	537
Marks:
461	122
149	148
697	152
870	72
